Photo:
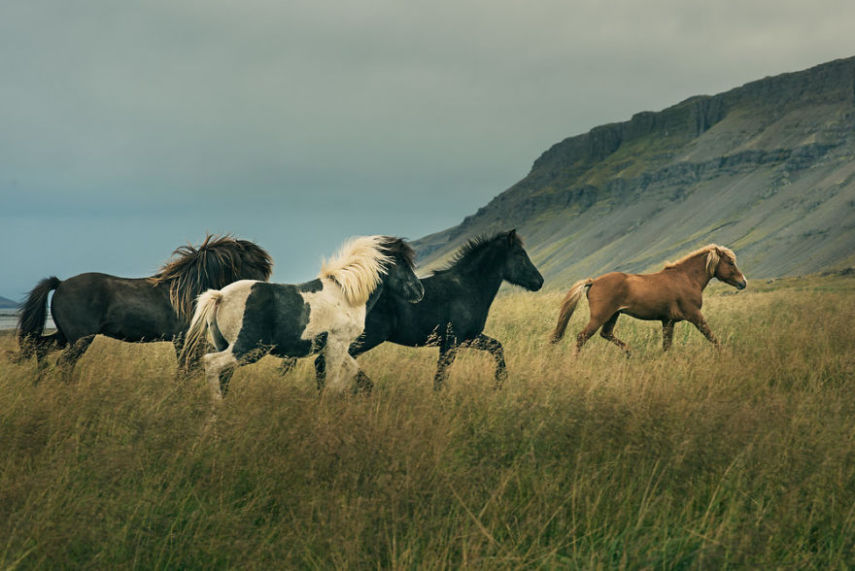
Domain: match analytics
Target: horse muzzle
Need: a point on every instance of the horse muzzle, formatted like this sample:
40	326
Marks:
536	284
416	294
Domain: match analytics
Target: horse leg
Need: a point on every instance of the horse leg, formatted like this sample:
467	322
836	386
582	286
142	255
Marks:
320	371
698	321
287	365
351	373
186	369
225	377
362	344
38	345
219	368
667	334
593	324
494	347
41	347
607	333
247	358
447	354
69	357
364	384
339	364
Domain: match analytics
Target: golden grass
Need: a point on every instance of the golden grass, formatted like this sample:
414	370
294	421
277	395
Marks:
693	459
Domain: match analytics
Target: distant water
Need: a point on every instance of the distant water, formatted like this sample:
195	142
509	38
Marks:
9	320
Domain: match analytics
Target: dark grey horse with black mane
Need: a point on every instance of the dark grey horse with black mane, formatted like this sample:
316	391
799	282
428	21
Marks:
455	305
156	308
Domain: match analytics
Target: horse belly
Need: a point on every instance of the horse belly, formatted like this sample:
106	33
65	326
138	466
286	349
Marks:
291	347
652	310
141	324
644	314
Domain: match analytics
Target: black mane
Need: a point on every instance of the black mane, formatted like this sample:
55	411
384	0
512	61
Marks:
393	246
217	262
474	247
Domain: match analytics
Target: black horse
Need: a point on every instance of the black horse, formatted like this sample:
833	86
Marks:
156	308
455	305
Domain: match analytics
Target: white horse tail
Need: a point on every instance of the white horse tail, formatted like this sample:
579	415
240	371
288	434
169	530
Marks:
205	314
567	308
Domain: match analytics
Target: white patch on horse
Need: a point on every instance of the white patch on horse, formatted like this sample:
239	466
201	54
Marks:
229	314
224	310
330	312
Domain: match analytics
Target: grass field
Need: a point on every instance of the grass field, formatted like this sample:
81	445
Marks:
692	459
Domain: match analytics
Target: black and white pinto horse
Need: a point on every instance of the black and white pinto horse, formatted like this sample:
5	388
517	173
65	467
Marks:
156	308
249	319
454	310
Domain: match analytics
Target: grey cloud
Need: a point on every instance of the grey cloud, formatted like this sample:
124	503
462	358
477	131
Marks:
392	115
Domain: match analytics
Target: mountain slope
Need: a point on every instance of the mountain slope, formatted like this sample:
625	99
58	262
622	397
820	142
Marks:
767	169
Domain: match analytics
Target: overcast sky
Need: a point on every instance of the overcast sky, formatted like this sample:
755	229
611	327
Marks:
130	128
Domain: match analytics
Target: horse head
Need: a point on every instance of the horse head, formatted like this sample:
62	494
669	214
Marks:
726	270
518	268
400	276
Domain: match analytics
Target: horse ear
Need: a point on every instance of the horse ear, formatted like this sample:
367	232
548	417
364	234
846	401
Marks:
512	236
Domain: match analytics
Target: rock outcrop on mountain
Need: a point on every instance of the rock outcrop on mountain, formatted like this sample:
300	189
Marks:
767	169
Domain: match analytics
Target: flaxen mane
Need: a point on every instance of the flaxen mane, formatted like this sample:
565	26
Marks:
360	262
219	261
473	247
712	251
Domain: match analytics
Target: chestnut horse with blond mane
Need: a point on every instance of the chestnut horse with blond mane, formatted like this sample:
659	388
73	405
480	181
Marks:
669	296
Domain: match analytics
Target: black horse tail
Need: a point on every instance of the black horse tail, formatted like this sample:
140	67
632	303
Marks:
204	317
567	308
31	324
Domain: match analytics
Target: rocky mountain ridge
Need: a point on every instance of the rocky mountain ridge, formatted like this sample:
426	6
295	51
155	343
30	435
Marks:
767	169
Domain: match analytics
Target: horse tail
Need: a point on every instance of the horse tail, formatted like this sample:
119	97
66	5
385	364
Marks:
203	318
31	324
567	308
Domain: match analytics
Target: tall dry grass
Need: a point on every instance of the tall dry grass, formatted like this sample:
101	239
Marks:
693	459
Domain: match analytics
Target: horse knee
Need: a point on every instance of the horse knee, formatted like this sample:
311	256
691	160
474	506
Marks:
213	380
215	365
364	384
340	367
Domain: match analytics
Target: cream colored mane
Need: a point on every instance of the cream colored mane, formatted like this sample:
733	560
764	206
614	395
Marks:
713	257
357	267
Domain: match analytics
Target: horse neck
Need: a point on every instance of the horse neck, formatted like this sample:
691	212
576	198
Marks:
696	270
484	274
372	299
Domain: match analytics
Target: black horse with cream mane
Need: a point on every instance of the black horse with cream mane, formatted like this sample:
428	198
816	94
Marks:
454	309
